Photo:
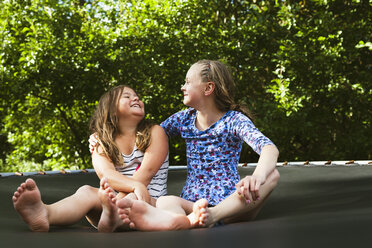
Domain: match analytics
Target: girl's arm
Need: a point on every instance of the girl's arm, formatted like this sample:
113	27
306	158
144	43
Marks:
154	156
267	162
121	183
250	185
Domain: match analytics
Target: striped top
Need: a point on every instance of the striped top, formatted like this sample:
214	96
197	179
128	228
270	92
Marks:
158	185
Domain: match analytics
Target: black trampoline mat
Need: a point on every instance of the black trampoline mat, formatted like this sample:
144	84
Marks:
311	207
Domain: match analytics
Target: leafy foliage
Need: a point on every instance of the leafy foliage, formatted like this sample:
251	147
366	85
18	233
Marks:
303	67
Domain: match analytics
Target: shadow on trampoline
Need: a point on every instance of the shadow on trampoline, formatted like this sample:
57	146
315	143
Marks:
311	207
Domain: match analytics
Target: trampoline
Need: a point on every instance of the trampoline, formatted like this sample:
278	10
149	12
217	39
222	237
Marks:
313	206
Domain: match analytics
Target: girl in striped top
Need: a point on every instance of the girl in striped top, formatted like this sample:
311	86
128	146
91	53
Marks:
126	160
158	185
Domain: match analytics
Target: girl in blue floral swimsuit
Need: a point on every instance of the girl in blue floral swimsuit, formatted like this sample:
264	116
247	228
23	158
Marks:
214	128
213	154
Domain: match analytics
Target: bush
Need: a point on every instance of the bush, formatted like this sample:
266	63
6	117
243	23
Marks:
302	67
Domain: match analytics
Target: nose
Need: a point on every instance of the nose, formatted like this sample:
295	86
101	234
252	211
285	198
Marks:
135	98
183	87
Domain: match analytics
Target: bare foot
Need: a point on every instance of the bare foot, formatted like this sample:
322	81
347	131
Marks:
142	216
110	219
200	214
27	202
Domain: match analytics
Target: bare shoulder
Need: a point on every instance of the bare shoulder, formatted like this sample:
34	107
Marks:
159	139
158	131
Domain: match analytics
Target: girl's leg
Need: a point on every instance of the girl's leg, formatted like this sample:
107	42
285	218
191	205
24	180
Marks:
143	216
70	210
235	209
39	216
175	204
196	211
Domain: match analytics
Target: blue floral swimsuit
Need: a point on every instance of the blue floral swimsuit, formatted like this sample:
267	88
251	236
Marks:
213	154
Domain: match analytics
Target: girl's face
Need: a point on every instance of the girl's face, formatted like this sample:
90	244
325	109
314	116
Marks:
130	104
193	89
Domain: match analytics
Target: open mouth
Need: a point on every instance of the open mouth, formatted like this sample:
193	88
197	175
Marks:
136	105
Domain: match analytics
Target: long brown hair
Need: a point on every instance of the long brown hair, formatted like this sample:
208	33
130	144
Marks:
105	124
218	73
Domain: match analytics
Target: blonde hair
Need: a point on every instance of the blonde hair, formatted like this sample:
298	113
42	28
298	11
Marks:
105	123
218	73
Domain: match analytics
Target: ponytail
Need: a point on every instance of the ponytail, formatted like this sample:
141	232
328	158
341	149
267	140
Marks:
218	73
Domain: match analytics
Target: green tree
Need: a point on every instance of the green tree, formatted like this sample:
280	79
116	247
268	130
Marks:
303	67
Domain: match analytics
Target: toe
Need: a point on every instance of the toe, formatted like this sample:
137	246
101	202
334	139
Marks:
30	184
132	225
20	190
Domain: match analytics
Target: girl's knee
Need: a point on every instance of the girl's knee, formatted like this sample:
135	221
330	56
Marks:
274	177
166	200
86	190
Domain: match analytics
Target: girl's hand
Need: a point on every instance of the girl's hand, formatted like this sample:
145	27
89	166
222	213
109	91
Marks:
249	187
93	142
141	192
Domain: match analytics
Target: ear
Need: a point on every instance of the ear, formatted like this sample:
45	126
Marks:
209	88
